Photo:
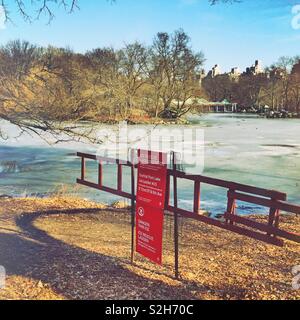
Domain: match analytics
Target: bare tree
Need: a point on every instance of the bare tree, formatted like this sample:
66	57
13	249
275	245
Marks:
270	93
38	96
120	75
220	87
285	64
174	72
295	86
132	63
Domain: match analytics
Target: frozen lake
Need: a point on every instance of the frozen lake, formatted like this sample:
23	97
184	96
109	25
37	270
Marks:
245	149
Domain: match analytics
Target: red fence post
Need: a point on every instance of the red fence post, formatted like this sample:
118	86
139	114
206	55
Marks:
100	174
120	177
82	168
197	197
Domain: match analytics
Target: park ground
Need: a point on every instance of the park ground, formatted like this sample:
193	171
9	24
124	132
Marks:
68	248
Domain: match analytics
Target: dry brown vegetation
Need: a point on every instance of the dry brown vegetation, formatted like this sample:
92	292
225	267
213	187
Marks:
73	249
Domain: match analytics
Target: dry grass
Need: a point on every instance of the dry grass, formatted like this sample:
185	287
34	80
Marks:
67	248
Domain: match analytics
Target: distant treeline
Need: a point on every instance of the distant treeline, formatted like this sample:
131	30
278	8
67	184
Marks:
43	87
278	87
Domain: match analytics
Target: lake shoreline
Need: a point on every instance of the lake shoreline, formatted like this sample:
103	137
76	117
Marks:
184	120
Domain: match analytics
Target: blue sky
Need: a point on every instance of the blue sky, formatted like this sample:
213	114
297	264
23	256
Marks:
230	35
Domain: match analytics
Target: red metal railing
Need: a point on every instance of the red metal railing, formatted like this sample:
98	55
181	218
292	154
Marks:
99	186
275	201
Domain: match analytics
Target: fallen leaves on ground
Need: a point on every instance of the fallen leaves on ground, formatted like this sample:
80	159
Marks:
69	248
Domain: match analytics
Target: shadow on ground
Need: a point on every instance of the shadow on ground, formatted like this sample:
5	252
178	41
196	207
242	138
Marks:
73	272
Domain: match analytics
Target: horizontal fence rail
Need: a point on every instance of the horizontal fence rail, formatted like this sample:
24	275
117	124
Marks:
99	186
275	201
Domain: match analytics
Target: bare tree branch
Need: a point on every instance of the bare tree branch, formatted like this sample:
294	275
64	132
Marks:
34	9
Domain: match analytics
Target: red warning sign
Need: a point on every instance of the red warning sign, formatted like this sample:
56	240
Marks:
151	188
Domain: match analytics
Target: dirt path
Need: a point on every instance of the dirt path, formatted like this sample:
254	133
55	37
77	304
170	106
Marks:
73	249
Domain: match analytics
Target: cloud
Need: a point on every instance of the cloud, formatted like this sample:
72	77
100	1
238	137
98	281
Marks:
2	18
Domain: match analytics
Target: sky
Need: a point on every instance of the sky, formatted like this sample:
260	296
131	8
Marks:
229	35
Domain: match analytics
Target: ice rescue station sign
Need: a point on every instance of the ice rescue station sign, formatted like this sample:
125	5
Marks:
151	189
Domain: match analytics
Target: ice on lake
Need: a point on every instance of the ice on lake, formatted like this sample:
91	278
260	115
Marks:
245	149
